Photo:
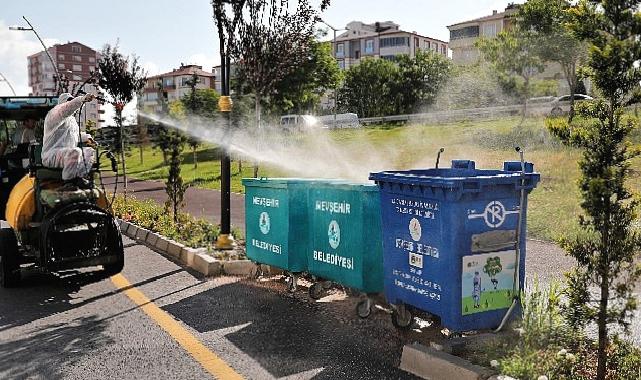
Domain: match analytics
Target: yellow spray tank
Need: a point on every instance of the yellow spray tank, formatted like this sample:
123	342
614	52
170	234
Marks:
21	204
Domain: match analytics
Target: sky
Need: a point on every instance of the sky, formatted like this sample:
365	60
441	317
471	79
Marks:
166	33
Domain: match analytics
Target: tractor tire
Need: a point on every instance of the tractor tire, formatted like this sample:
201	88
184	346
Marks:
9	261
115	268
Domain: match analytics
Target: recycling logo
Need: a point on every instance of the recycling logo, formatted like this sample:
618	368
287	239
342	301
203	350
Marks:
334	234
415	229
494	214
263	223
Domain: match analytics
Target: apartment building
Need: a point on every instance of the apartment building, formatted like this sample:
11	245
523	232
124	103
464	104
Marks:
74	61
464	35
380	40
174	85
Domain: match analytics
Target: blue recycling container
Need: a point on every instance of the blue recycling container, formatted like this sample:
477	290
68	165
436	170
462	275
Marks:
449	240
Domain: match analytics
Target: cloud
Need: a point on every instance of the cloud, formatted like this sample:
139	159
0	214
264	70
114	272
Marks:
151	68
16	46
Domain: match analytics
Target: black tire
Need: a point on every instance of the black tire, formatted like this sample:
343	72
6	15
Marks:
556	111
316	291
364	308
9	261
402	318
115	268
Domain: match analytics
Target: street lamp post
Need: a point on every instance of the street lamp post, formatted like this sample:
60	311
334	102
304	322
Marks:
334	53
225	239
4	79
32	29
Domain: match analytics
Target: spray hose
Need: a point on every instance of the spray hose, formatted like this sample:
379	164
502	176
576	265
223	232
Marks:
516	287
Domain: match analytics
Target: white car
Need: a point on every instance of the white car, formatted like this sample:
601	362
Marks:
561	105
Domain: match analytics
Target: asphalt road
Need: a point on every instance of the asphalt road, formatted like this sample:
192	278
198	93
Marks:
78	326
75	328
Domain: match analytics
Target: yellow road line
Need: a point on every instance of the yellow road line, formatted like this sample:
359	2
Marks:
210	361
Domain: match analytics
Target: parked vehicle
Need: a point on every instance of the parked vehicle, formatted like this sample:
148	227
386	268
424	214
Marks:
561	105
342	120
293	123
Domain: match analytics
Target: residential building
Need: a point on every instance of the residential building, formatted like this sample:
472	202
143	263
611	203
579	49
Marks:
464	35
380	40
174	84
74	61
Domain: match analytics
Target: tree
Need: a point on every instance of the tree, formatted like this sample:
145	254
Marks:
600	288
492	268
472	86
175	186
162	139
304	87
369	87
511	54
273	40
547	23
122	78
420	79
190	102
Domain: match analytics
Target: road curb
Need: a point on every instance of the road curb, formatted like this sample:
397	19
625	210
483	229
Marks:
195	258
429	363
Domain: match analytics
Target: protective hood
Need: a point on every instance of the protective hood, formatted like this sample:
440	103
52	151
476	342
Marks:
63	97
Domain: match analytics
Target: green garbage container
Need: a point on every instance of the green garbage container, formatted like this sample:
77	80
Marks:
345	242
276	223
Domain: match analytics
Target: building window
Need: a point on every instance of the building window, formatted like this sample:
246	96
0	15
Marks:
443	49
77	77
91	68
357	54
427	45
61	57
389	57
77	67
340	50
489	30
77	58
169	82
92	59
395	41
467	32
341	64
416	42
76	49
369	46
61	65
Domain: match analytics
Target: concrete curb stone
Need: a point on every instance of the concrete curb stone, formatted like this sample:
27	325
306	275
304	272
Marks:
174	248
206	265
151	239
429	363
238	267
141	234
132	230
187	255
162	245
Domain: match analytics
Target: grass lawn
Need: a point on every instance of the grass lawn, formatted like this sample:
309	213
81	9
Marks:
553	206
490	300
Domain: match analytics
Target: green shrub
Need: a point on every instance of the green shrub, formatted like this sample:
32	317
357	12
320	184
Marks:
148	214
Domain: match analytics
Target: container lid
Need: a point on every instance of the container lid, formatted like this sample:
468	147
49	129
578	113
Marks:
462	175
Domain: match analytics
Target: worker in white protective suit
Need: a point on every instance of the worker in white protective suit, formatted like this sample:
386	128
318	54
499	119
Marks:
61	137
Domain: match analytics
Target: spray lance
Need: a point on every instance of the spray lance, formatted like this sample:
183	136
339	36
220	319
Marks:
516	287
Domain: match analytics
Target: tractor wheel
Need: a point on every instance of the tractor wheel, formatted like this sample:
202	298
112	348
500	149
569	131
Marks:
9	263
115	268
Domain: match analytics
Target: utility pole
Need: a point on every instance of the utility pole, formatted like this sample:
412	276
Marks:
53	64
334	54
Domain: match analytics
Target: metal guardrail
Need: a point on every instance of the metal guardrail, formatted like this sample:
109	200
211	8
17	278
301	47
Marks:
460	115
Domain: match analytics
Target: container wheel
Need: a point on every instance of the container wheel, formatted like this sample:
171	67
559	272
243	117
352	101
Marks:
364	308
292	282
258	272
316	290
402	318
9	264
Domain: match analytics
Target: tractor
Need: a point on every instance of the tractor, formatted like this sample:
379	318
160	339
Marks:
48	227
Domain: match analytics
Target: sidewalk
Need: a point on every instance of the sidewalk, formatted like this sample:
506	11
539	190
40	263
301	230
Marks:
200	203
